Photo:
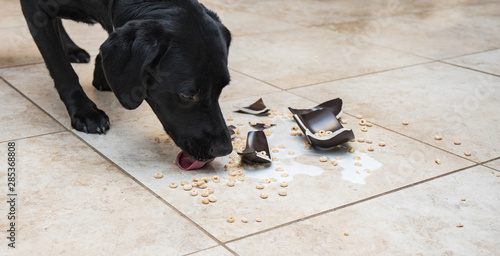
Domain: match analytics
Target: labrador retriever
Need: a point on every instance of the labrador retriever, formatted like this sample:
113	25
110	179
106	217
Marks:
170	53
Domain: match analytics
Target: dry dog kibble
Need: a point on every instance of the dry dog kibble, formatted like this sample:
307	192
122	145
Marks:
284	175
361	140
369	124
205	201
359	116
438	137
212	198
158	175
258	220
370	148
356	157
282	192
351	150
343	121
334	163
203	186
216	179
364	129
240	178
281	146
467	153
346	234
230	219
184	183
275	150
205	193
367	170
284	184
194	192
381	144
362	122
405	123
291	153
187	187
437	161
460	225
362	151
172	185
230	183
259	186
463	199
323	159
338	158
369	141
230	118
263	195
295	128
157	140
279	169
457	142
244	220
273	179
358	164
267	181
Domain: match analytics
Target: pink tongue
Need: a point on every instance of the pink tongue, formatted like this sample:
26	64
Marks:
185	162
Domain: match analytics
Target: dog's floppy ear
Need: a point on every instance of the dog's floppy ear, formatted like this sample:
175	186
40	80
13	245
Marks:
127	56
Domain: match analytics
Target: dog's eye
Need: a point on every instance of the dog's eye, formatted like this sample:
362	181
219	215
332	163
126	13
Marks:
186	96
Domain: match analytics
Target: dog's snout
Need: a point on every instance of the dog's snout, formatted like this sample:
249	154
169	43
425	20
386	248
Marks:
221	149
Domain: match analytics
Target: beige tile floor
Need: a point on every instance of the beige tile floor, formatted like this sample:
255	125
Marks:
434	64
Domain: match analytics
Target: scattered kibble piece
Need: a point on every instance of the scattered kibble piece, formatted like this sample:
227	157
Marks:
334	163
284	175
381	144
343	121
351	150
369	141
367	170
346	234
203	186
194	192
230	219
210	191
370	148
205	201
364	129
157	140
244	220
284	184
259	186
279	169
230	184
467	153
205	193
158	175
187	187
369	124
406	123
230	118
463	199
258	220
460	225
358	164
282	192
172	185
281	146
216	179
240	124
212	198
275	150
263	195
457	142
359	116
338	158
361	140
356	157
291	153
362	122
323	159
267	181
184	183
362	151
438	137
437	161
295	128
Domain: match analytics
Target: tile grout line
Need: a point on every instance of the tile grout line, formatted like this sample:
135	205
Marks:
121	169
33	136
464	67
153	193
354	203
260	80
22	65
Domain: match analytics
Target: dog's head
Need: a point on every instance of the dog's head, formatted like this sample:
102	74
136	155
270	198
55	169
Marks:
180	70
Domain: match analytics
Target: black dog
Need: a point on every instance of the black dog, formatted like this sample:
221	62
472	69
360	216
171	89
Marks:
171	53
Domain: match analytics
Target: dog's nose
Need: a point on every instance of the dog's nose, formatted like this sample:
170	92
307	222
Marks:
221	149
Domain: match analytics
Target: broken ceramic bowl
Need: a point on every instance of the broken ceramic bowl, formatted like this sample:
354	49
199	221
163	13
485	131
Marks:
335	106
257	149
322	128
256	108
232	131
261	126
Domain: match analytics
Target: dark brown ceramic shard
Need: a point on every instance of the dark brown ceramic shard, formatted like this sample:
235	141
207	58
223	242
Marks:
323	120
335	106
256	108
232	131
256	143
260	126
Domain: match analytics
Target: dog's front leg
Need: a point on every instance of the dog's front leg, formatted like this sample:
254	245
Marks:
85	116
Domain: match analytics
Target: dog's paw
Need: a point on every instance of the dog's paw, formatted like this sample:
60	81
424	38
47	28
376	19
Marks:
90	120
77	55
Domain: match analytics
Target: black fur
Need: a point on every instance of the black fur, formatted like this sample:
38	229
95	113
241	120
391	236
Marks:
170	53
